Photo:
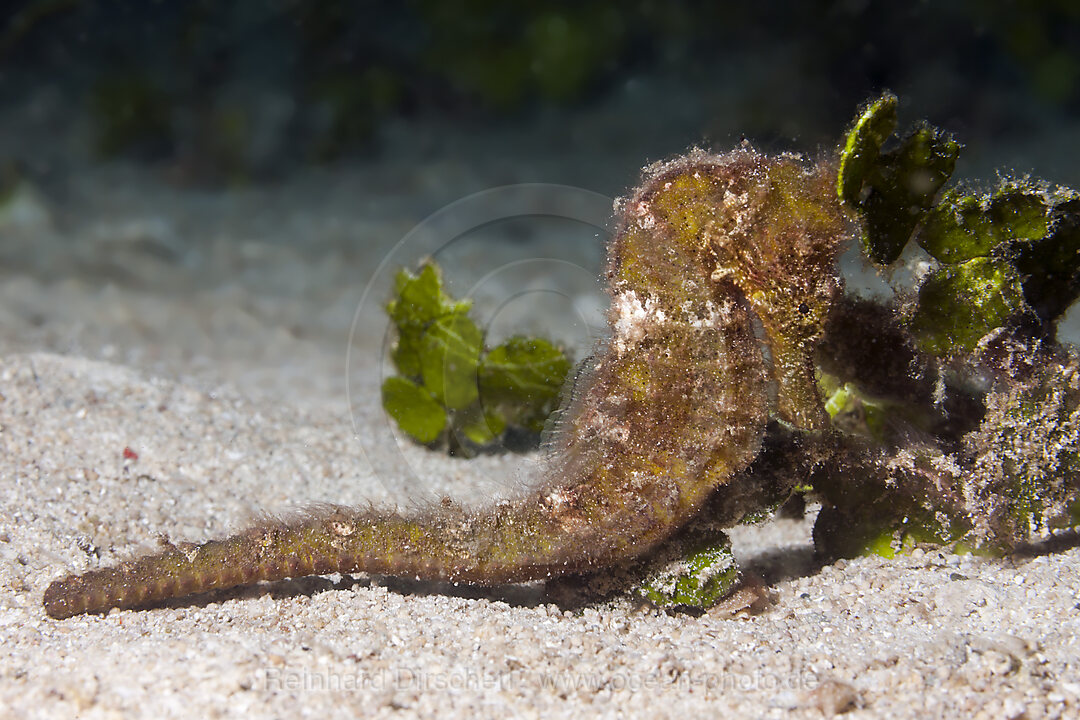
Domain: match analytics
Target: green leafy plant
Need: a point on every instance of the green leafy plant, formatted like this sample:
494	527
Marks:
1002	254
451	388
700	574
1004	267
892	184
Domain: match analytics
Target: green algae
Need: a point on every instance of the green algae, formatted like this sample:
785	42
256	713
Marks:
892	188
961	304
414	409
449	386
962	227
702	575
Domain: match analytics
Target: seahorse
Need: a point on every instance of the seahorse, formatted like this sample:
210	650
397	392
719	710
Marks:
721	271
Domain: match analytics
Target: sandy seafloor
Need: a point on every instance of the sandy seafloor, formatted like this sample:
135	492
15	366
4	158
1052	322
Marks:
207	333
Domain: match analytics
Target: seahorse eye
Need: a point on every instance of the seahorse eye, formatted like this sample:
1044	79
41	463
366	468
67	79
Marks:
804	308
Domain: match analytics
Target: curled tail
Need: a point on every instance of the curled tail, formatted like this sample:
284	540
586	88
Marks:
673	407
630	470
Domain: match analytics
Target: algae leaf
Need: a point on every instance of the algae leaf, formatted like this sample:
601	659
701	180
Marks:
702	575
481	427
413	409
963	227
523	377
419	300
1037	233
959	304
449	359
892	189
447	374
863	145
1050	264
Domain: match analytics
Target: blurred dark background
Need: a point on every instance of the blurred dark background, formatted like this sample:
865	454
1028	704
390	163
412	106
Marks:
217	93
206	189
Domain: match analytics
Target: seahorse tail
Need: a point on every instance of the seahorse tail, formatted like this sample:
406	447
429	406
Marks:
177	572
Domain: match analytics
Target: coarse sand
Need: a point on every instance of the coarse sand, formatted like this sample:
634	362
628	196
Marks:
172	367
921	636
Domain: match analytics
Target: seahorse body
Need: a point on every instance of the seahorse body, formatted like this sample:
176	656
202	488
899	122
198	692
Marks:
708	250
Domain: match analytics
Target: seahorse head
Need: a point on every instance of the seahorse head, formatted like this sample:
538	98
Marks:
768	229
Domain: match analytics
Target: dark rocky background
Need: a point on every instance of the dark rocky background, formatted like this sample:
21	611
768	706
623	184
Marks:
217	94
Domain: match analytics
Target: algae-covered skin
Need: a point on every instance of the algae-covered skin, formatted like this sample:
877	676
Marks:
670	410
772	237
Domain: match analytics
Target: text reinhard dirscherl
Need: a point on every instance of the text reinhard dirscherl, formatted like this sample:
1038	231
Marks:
399	679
